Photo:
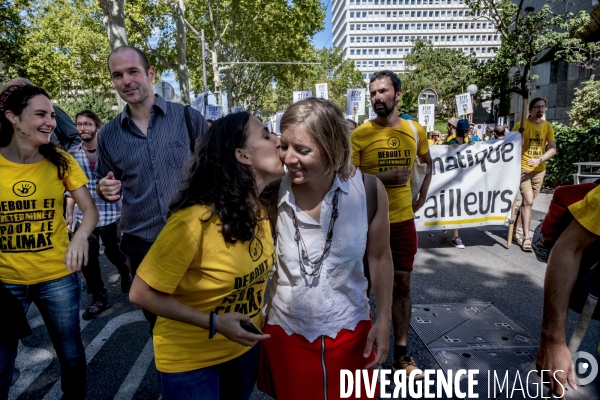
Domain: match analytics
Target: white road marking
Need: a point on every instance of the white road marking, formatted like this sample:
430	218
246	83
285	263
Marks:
92	349
136	374
31	362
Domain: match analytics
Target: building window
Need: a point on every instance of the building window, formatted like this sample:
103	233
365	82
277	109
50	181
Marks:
389	39
418	14
395	27
351	40
351	27
418	27
412	14
460	26
370	39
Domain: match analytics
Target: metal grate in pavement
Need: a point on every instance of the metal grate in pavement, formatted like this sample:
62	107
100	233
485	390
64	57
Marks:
479	336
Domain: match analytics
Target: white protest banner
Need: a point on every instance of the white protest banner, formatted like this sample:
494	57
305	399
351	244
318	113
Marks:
480	130
355	102
301	95
268	125
427	116
372	113
322	91
471	185
278	122
213	112
463	104
236	109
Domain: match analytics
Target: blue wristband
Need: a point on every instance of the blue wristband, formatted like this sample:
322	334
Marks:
213	325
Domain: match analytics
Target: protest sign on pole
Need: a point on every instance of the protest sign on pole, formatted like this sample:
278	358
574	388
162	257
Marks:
480	130
463	104
355	102
301	95
278	122
501	121
471	185
372	113
213	112
322	91
427	116
236	109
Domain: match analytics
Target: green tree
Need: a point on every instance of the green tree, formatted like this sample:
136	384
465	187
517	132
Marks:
586	104
525	35
13	32
445	70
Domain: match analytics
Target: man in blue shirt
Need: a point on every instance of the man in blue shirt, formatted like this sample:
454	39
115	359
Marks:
141	153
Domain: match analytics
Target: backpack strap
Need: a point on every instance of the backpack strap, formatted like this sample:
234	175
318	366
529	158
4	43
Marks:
414	129
188	123
370	182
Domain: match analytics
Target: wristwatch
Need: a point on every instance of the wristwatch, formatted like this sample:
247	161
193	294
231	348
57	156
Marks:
541	160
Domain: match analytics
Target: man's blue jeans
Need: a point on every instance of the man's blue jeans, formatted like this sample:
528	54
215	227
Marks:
231	380
58	302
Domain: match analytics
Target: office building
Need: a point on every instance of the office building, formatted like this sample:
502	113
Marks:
378	34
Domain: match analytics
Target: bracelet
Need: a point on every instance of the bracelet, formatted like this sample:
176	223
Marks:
213	325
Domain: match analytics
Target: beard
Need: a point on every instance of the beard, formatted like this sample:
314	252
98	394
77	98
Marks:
386	110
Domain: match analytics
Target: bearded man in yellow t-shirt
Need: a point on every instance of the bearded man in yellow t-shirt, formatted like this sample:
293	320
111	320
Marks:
537	135
387	147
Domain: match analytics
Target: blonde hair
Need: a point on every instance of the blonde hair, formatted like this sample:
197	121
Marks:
325	122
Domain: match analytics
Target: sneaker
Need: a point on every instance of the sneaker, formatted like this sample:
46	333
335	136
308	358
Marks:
407	363
98	306
126	283
457	242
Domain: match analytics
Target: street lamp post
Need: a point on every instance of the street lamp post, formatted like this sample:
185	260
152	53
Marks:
472	89
496	109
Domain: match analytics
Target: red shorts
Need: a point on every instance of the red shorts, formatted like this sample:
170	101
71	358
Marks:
292	368
404	243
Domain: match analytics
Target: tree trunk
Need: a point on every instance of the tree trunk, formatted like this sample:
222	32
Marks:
183	73
114	21
216	76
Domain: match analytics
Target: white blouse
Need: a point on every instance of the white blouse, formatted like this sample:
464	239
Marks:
336	298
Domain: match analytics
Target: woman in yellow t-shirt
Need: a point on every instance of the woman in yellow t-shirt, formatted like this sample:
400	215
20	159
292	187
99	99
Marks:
37	261
205	276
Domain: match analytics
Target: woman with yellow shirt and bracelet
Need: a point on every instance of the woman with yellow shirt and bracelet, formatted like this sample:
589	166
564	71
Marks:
206	273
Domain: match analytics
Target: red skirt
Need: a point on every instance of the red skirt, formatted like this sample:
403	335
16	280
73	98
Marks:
292	368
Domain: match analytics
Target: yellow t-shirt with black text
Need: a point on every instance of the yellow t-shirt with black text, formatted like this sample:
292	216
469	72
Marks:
376	149
33	232
191	261
587	211
535	140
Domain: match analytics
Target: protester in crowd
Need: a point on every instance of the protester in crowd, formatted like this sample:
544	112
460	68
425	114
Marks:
141	153
499	132
554	357
88	124
537	135
39	265
472	136
318	312
208	263
64	135
451	128
462	131
435	138
378	143
489	133
351	125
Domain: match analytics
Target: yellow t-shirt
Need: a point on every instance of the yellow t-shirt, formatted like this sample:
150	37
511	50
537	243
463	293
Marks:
587	211
33	232
536	137
191	261
377	149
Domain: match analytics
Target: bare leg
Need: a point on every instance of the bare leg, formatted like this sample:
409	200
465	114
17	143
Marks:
401	307
455	233
525	213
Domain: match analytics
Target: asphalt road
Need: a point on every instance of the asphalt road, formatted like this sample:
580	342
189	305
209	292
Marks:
120	360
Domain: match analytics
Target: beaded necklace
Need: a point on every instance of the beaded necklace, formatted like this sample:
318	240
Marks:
302	250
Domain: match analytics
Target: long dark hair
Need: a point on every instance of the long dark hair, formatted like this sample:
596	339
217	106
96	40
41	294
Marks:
16	102
218	180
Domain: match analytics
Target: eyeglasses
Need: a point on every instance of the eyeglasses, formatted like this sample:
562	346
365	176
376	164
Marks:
84	124
540	107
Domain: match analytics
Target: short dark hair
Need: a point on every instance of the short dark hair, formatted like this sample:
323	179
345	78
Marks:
143	58
499	130
535	100
393	77
353	122
91	115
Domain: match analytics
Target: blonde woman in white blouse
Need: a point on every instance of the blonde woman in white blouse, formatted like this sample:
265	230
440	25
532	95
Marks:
318	313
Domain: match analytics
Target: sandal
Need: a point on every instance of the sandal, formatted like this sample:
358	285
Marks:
518	238
526	246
